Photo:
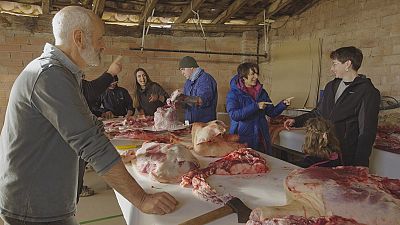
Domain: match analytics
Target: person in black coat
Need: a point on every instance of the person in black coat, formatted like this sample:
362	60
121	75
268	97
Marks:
116	101
92	91
351	103
321	146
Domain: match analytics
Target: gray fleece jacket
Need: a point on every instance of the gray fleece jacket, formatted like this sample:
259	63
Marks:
47	126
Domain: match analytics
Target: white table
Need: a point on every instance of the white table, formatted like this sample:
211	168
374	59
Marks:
293	139
253	190
382	163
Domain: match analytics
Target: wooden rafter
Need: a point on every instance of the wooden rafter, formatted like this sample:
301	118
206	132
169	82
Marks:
270	11
98	7
46	5
232	9
193	5
311	3
215	27
148	8
42	25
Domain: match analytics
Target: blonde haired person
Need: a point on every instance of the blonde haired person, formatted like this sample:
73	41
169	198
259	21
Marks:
321	146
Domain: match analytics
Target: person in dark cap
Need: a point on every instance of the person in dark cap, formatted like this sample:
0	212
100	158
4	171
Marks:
200	93
116	101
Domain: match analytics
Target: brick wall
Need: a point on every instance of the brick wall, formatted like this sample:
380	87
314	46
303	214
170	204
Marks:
371	25
18	48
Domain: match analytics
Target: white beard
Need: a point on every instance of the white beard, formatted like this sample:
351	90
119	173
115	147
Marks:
89	54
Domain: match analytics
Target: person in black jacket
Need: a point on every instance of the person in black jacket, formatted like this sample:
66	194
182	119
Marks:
92	91
321	146
351	103
116	101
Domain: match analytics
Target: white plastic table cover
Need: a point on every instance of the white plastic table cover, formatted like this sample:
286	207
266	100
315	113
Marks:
254	190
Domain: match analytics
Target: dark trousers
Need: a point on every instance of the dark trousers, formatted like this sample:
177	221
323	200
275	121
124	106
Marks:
81	173
11	221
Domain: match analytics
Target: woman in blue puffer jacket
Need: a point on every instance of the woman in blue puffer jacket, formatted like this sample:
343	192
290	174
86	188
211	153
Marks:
247	104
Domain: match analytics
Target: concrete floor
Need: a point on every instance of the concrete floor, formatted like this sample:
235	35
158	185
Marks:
101	208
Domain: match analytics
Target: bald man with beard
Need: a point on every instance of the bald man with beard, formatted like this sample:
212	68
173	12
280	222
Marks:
48	126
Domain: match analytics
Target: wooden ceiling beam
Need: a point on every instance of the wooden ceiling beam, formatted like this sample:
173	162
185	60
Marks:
270	11
148	8
193	5
46	6
215	28
98	7
231	10
42	24
307	6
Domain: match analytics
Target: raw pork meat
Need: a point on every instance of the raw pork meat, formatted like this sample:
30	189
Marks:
165	118
146	136
242	161
299	220
388	135
132	122
165	163
348	192
388	141
209	139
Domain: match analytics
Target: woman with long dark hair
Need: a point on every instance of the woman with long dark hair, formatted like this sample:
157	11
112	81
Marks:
148	95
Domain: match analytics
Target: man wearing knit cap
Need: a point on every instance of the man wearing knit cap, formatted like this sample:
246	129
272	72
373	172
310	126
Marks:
200	93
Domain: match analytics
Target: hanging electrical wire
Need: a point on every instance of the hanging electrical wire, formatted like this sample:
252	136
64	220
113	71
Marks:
148	27
143	34
199	23
198	20
266	33
145	31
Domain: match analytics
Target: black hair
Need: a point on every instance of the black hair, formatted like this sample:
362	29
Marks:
348	53
243	69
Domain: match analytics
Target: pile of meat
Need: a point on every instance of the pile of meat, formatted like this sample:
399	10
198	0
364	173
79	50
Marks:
209	139
388	135
118	125
165	163
242	161
165	118
146	136
348	192
301	220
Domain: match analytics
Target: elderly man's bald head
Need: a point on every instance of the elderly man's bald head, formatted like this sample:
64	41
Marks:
71	18
79	32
